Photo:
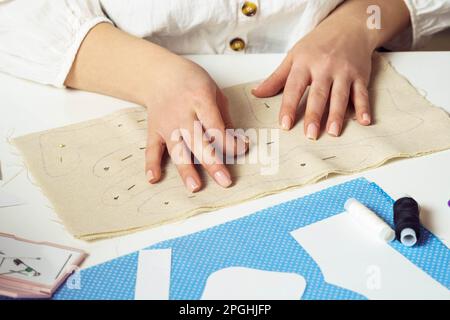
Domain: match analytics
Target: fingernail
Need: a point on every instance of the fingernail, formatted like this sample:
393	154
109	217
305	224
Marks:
242	144
334	129
257	86
286	122
150	175
243	138
366	118
312	131
191	184
222	178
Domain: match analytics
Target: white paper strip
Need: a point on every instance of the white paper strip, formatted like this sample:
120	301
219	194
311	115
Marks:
153	275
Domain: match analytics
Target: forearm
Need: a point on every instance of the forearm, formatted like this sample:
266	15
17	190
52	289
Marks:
114	63
352	16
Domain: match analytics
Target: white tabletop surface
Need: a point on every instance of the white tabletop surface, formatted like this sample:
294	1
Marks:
27	107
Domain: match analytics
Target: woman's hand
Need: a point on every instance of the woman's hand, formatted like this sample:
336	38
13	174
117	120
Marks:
183	99
337	69
180	97
335	61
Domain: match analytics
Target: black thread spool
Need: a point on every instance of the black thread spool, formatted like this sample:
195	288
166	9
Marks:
407	221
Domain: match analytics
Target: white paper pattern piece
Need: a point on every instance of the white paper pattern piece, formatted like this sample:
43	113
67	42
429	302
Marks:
238	283
153	275
354	259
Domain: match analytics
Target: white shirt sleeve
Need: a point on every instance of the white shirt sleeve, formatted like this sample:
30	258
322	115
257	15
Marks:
427	18
39	39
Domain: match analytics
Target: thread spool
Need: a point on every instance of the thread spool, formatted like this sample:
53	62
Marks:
407	221
369	220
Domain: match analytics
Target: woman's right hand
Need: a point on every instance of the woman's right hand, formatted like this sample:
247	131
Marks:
178	94
182	99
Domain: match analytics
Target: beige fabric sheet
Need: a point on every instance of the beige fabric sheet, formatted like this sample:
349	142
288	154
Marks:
93	172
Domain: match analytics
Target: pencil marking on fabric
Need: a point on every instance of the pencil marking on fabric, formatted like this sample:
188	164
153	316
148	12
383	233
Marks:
127	157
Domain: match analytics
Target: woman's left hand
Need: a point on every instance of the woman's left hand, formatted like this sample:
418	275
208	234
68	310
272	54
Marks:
336	65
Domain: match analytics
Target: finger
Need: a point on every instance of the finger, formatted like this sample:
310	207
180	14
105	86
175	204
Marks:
360	98
240	139
222	103
317	100
276	81
211	120
181	157
153	155
210	115
205	153
340	92
296	84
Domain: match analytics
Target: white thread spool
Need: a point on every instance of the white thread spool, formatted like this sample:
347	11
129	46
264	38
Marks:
369	219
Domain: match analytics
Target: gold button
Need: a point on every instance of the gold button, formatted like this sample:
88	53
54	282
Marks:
249	8
237	44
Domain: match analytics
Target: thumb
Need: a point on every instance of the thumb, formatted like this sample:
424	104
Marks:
275	82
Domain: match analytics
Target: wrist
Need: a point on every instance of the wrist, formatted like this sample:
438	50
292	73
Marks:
374	21
351	34
156	68
365	37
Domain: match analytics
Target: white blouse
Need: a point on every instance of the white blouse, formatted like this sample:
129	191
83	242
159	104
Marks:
40	38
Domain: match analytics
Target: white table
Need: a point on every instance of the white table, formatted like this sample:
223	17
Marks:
27	107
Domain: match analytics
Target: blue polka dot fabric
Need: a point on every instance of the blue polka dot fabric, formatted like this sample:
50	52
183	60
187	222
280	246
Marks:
260	241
